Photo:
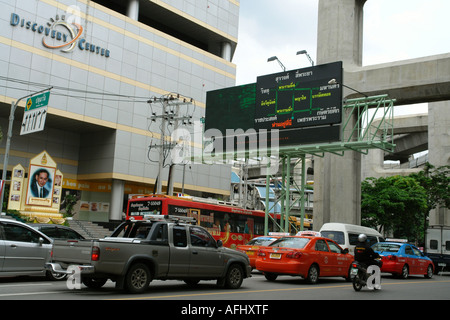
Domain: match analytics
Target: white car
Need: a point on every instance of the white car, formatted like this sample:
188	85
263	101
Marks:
24	251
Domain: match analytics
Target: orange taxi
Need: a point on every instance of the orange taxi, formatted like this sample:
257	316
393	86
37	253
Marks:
307	257
252	247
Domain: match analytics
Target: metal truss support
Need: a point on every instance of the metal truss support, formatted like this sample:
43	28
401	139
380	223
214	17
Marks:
286	188
364	134
359	132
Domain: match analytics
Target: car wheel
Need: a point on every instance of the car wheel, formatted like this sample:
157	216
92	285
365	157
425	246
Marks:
234	277
348	278
430	271
405	272
313	274
55	276
138	278
271	276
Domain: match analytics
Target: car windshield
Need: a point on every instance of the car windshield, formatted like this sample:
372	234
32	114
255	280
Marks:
386	247
297	243
128	229
261	241
337	236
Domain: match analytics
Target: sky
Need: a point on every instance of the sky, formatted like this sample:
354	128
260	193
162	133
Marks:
393	30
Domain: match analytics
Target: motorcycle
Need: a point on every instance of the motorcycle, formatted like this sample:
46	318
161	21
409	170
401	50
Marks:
365	276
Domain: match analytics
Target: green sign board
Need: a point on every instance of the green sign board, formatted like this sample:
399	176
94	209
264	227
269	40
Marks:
38	101
35	113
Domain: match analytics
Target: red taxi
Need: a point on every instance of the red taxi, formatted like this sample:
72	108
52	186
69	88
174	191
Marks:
308	257
252	247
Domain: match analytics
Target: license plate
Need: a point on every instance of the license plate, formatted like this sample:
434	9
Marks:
275	256
250	253
354	272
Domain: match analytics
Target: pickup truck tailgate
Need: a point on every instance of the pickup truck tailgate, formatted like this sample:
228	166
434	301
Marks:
72	251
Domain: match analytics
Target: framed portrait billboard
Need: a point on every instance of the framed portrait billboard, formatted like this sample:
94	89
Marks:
40	185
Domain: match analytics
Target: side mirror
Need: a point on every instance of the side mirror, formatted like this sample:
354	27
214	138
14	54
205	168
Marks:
219	243
345	251
40	241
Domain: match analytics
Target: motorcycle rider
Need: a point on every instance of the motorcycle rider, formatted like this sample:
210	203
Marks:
364	254
367	275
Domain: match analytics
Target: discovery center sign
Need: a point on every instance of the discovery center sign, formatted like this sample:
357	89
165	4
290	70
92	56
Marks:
59	34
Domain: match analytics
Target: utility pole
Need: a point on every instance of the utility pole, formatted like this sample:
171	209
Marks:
168	118
161	151
9	136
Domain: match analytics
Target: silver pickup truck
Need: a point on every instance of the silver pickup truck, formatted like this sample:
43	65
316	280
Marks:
165	247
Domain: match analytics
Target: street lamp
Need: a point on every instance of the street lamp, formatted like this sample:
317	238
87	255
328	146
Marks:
275	58
307	55
334	81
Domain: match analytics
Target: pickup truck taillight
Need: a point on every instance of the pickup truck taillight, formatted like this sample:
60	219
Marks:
95	255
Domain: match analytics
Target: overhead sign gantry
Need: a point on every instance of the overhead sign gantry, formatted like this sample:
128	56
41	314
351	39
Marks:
310	115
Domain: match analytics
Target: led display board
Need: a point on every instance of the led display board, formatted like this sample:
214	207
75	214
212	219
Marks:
231	108
300	103
299	98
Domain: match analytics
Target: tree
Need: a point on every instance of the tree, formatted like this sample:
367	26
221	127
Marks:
394	204
437	183
70	201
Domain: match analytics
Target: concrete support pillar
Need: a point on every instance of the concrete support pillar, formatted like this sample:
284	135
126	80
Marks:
225	51
439	149
340	32
117	194
337	179
337	189
133	9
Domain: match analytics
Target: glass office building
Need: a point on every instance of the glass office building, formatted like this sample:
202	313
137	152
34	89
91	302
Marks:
117	69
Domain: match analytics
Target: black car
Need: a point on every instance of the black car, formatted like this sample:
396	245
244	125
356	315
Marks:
55	231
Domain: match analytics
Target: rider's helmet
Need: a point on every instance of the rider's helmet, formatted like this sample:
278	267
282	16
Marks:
362	237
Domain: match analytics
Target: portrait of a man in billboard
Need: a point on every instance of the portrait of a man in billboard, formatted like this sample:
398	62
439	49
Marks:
40	183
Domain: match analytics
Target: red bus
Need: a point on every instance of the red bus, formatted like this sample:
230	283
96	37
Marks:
232	225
